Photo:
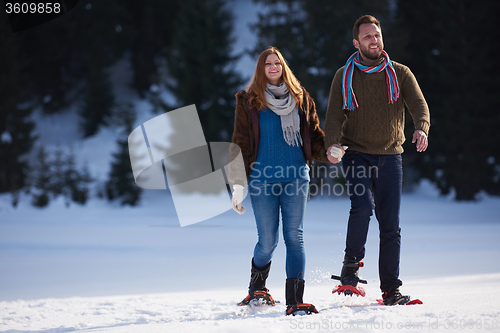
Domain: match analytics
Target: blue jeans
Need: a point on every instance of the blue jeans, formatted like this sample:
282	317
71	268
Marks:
267	201
374	182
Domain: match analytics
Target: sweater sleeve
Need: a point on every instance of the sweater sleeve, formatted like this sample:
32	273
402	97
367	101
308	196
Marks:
318	150
334	112
415	101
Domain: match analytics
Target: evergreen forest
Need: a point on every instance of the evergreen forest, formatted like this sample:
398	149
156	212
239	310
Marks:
186	46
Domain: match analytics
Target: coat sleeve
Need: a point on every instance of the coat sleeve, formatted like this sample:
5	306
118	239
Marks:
240	148
318	150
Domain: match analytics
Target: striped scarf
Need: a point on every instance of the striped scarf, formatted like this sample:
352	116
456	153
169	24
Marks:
350	101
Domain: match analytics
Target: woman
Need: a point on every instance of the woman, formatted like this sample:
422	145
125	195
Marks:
277	129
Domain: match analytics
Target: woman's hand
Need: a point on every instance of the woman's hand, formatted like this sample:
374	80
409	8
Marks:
335	153
238	199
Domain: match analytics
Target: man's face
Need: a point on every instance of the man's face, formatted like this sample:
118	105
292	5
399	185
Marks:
370	42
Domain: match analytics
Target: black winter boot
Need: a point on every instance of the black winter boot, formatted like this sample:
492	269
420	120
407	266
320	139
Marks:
257	291
394	297
258	277
294	292
349	277
349	273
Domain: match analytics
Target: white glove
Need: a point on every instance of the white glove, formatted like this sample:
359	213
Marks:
337	152
237	199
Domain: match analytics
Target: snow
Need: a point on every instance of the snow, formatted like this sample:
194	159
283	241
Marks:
245	14
5	137
210	311
106	268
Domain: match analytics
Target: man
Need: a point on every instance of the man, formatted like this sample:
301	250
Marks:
365	121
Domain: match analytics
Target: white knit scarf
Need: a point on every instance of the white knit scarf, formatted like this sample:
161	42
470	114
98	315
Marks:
282	103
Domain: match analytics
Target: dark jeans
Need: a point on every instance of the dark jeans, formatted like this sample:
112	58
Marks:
374	182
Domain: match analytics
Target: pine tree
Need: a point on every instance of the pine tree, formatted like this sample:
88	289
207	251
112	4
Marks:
41	179
16	128
59	53
67	60
57	166
53	176
76	182
459	78
151	26
121	184
200	63
97	103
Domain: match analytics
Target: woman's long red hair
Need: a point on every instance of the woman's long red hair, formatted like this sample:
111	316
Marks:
258	83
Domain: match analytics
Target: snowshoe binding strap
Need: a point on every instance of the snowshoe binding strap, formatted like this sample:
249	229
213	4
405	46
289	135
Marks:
354	264
336	277
259	297
301	307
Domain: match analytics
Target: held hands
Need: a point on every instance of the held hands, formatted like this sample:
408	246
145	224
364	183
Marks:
335	153
237	199
420	138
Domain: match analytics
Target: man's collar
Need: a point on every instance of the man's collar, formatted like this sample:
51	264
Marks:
379	61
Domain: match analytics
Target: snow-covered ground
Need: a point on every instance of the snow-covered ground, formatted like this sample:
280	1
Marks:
445	309
106	268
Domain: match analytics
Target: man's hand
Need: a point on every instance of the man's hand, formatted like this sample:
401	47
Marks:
420	138
335	153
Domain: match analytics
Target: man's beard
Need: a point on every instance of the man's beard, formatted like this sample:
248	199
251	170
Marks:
365	53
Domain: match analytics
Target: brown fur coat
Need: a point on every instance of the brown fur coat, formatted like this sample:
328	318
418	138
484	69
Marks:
246	136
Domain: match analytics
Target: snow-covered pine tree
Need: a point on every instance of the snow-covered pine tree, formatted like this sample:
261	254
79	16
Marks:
121	184
200	63
52	176
41	176
76	183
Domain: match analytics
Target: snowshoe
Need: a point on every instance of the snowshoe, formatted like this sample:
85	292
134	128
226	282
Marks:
349	290
294	293
301	308
349	278
258	298
257	292
396	298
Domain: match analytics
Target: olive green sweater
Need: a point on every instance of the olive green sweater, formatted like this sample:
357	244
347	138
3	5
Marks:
375	127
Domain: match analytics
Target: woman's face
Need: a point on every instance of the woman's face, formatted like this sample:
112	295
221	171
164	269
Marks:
273	69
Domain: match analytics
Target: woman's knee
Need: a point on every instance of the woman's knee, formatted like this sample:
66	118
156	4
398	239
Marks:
267	245
293	238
